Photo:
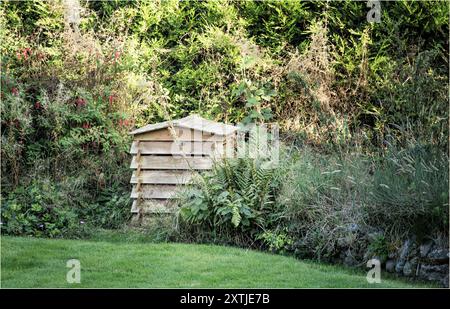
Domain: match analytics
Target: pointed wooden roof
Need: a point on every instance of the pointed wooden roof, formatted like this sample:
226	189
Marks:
194	122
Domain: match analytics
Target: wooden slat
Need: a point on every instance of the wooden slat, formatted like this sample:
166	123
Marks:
162	177
172	163
182	134
229	148
152	206
177	148
156	191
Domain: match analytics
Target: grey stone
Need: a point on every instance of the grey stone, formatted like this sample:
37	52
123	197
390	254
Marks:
425	248
399	266
438	255
406	248
409	269
390	266
433	272
404	251
433	261
392	255
445	282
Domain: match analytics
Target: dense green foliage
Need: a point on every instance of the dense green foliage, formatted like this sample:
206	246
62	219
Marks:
362	106
318	207
233	203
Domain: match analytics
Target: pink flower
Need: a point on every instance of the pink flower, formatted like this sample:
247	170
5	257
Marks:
26	52
15	91
80	102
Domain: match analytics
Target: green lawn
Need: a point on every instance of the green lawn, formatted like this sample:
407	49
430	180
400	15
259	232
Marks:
31	262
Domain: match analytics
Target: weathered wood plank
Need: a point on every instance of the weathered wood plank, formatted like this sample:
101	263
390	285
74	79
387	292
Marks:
172	163
156	191
177	148
181	134
152	206
175	177
229	148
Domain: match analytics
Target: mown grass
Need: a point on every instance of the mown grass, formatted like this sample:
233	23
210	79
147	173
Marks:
31	262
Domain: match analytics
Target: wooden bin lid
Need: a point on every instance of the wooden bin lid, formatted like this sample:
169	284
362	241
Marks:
194	122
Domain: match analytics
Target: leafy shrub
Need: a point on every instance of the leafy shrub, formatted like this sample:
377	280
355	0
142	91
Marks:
279	242
233	203
63	121
39	210
45	210
111	210
378	247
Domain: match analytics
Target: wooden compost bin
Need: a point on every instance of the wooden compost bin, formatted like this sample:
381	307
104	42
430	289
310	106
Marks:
167	154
